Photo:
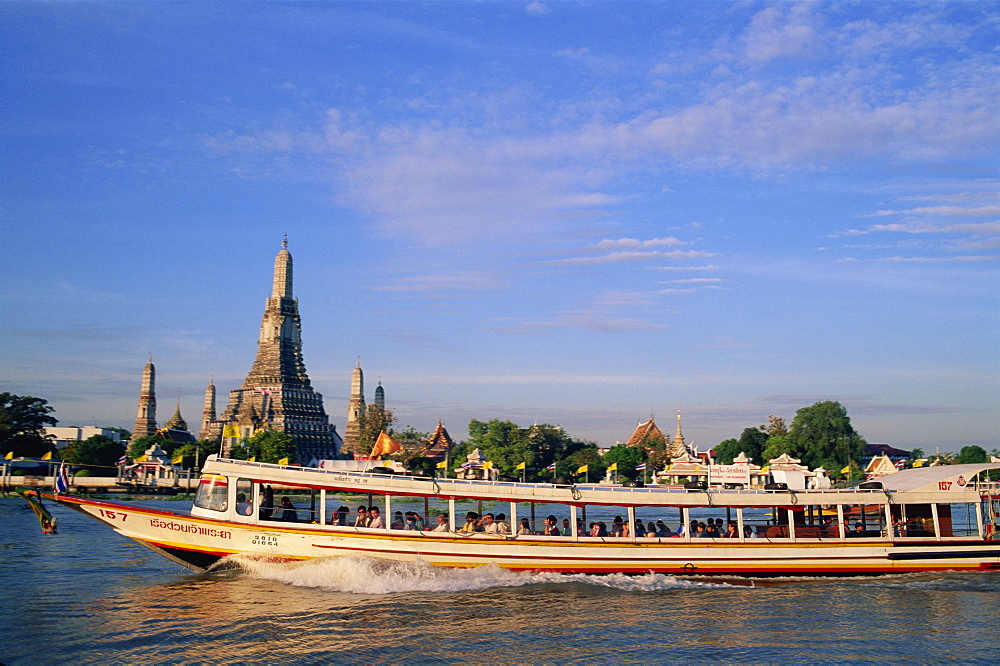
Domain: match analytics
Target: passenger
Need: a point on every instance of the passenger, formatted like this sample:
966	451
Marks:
397	521
595	530
616	527
339	516
288	513
418	522
267	504
651	530
411	521
602	529
442	525
488	524
748	533
375	519
662	530
362	517
243	507
694	528
711	531
567	528
700	531
503	527
525	527
551	529
625	530
859	530
733	532
471	523
640	529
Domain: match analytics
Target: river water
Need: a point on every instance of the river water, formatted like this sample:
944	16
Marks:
90	596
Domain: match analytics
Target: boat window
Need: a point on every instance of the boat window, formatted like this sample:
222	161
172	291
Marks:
212	494
244	497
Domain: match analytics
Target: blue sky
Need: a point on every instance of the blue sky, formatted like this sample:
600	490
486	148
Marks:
580	213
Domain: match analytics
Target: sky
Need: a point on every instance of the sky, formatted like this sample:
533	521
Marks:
577	213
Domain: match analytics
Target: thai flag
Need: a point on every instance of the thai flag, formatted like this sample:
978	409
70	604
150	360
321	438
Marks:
466	465
62	480
123	460
900	464
551	467
640	468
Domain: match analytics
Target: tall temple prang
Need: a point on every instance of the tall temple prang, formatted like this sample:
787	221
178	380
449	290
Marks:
145	417
208	411
277	393
355	409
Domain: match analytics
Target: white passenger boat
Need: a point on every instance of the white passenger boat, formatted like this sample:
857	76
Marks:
929	519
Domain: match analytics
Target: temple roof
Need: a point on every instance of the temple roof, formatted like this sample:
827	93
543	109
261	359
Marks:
644	432
439	444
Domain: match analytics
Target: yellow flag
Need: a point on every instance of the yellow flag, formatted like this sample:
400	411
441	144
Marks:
920	462
582	469
846	470
283	461
252	459
443	464
385	445
177	460
520	466
141	458
230	430
487	465
613	467
765	469
9	456
47	456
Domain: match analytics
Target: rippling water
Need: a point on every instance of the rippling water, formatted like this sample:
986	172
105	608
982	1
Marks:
89	596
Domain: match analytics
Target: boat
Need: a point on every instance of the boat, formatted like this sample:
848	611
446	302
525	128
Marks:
916	520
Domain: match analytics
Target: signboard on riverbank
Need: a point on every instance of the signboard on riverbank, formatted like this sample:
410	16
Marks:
729	474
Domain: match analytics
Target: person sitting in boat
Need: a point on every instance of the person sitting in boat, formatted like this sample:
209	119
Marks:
616	527
733	532
651	530
640	529
471	523
551	529
397	521
525	527
243	507
442	525
362	518
339	517
418	521
375	521
487	524
503	527
266	503
748	533
711	531
288	513
701	531
662	530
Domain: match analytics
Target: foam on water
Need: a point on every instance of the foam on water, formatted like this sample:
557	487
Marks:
368	575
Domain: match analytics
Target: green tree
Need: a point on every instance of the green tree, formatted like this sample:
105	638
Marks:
503	443
627	457
137	447
726	451
822	435
777	446
972	454
915	454
373	420
99	454
267	446
752	442
23	419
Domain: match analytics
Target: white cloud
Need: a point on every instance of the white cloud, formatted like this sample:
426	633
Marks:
628	257
780	31
537	9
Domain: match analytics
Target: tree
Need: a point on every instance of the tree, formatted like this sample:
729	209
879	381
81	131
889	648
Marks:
373	420
972	454
627	457
99	454
268	446
726	451
22	425
137	447
776	447
752	442
822	435
503	443
775	426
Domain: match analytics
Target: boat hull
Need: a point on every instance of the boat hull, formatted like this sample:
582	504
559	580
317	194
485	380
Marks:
201	544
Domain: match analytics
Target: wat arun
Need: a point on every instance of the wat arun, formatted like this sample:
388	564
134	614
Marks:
277	393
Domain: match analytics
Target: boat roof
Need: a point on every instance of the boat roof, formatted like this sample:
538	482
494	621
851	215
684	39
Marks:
929	478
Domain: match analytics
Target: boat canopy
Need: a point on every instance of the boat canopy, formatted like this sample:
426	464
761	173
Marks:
931	478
